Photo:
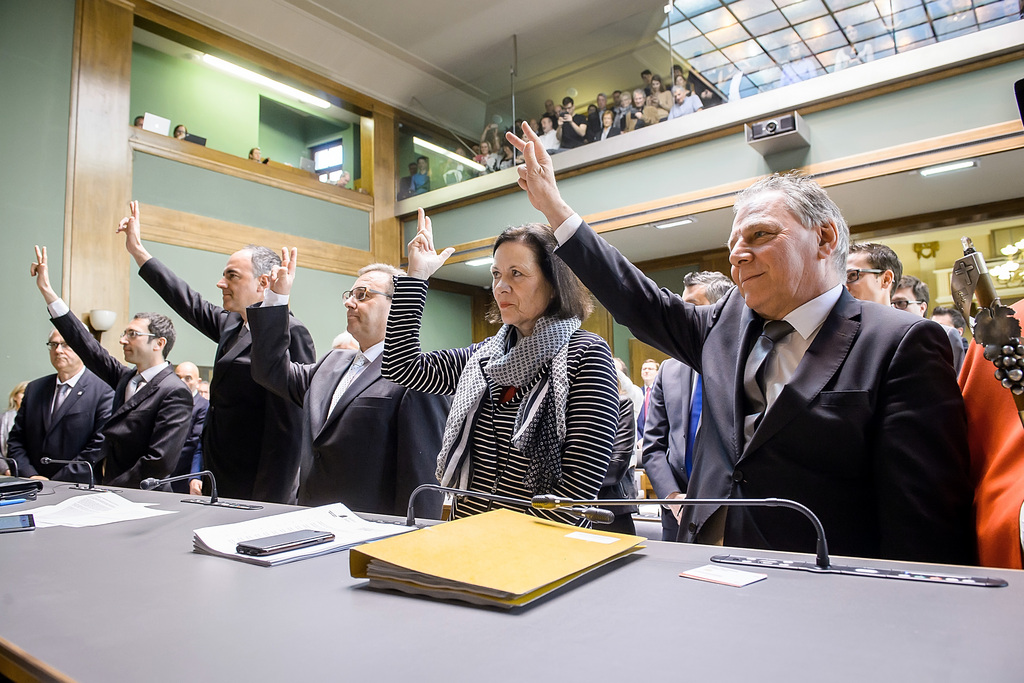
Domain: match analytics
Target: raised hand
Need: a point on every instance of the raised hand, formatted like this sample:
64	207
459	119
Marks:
537	177
41	273
282	277
131	227
423	258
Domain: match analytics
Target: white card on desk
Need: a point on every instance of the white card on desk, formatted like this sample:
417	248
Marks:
716	573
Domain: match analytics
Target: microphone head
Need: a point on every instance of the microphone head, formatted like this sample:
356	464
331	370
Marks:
599	515
545	501
147	484
46	460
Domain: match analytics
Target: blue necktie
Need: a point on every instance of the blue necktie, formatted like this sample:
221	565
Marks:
691	432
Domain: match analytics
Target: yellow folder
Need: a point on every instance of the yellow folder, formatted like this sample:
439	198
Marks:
500	558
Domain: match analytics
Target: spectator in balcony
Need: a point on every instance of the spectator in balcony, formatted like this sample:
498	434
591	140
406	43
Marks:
623	105
573	126
535	125
594	119
421	179
487	158
659	102
608	129
685	102
635	116
507	159
180	131
139	120
549	108
405	184
255	154
799	68
646	75
491	137
548	133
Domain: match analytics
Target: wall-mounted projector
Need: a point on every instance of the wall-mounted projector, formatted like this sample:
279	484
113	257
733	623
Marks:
778	134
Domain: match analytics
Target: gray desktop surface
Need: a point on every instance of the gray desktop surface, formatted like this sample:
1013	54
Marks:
131	602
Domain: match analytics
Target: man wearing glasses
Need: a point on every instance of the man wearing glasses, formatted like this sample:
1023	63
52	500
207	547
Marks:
366	442
912	296
250	437
151	407
60	417
872	271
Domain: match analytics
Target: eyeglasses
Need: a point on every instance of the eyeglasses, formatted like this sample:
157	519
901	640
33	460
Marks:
903	303
853	274
132	334
53	346
362	294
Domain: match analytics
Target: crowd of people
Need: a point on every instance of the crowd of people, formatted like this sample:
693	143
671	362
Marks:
810	373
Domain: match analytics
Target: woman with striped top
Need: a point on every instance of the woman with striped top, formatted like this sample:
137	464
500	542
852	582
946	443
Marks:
536	405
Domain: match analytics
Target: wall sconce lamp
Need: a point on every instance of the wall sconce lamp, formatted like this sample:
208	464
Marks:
101	320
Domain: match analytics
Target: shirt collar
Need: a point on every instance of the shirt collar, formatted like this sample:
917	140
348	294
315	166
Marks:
374	351
72	381
152	372
808	317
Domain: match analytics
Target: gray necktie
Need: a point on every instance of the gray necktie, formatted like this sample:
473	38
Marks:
346	381
133	386
753	375
63	389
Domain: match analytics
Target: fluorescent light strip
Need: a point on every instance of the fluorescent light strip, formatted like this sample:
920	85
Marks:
946	168
451	155
486	261
262	80
676	224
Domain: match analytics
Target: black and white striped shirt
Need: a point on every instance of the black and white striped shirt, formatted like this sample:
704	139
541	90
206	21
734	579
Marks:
496	465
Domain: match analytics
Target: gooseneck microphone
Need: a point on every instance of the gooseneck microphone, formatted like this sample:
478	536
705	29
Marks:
151	483
13	464
821	565
594	514
92	476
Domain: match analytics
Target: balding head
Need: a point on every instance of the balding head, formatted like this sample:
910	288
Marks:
189	374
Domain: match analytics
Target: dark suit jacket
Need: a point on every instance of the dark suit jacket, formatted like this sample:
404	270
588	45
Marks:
379	443
193	443
668	420
251	437
74	429
869	433
144	435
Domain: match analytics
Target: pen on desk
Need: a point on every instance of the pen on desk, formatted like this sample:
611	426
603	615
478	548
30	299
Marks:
12	501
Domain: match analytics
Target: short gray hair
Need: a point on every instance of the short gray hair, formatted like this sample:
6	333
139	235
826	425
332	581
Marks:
264	259
809	202
715	284
385	268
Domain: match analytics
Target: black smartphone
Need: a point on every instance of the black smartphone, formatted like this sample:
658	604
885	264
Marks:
269	545
17	523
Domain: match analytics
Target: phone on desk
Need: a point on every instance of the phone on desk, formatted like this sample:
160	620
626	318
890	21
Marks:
17	523
293	540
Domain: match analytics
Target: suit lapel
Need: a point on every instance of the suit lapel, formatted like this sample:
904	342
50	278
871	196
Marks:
238	341
749	330
73	396
44	406
820	363
140	395
321	391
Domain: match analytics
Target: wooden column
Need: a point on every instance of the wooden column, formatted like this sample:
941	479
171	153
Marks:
95	267
385	229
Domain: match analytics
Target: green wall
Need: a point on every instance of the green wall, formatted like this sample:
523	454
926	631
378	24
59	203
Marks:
233	115
35	79
175	185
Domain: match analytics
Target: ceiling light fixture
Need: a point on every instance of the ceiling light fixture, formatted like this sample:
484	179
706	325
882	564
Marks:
946	168
486	261
269	83
686	220
437	149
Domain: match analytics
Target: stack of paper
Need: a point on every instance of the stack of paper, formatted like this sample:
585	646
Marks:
348	530
92	509
501	558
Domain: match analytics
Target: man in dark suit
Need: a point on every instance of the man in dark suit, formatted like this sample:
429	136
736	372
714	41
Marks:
251	437
366	442
191	459
674	413
853	412
61	417
149	419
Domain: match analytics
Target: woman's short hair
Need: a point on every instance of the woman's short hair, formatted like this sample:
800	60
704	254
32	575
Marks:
571	299
19	388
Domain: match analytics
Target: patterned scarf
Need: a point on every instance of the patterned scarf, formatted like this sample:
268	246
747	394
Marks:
540	421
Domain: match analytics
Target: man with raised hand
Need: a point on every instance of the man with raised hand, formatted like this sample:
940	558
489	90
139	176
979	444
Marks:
251	437
144	434
809	394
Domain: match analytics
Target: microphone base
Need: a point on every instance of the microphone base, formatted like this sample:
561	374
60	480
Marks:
222	504
849	570
96	489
